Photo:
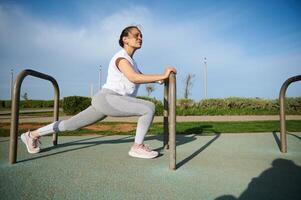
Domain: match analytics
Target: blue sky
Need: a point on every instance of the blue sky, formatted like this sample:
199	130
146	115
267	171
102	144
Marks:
251	47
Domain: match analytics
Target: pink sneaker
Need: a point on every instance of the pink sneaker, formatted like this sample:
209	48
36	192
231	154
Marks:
32	144
143	152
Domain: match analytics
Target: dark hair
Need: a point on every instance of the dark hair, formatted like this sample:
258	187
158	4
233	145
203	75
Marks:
125	33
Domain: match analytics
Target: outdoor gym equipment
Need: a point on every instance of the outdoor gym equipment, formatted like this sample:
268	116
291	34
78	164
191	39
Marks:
15	109
285	85
169	119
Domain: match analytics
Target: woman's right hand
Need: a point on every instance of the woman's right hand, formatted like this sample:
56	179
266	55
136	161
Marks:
168	70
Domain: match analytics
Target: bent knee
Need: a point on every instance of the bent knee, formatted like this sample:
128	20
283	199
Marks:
151	108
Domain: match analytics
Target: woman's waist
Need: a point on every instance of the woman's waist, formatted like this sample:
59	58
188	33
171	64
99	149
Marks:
109	91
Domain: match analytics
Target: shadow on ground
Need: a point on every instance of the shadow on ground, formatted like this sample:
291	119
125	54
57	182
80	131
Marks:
181	138
6	140
278	142
189	135
296	136
281	181
83	144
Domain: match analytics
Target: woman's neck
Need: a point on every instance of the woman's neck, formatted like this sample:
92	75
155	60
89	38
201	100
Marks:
130	51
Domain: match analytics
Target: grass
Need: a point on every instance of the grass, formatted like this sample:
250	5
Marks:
202	128
41	114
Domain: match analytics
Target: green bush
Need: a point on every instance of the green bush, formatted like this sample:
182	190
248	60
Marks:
241	106
2	104
29	104
185	103
158	104
36	104
5	104
293	105
75	104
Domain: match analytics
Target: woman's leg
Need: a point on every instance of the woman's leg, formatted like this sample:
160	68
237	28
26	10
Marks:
125	106
82	119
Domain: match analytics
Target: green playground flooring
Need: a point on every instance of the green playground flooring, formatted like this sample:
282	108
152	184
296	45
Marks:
217	167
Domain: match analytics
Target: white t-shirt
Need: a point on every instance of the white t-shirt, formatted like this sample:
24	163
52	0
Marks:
117	81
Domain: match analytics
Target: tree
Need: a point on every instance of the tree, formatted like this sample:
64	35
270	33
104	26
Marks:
25	96
188	85
149	89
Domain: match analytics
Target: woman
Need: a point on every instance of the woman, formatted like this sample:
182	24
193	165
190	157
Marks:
117	98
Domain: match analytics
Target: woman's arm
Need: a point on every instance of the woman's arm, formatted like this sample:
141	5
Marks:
159	82
126	68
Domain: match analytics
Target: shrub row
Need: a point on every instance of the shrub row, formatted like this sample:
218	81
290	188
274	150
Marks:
229	106
30	103
75	104
237	106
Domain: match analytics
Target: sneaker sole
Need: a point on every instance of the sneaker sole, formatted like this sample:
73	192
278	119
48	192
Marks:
133	154
25	142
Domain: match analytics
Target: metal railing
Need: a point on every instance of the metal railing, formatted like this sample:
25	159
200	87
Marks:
169	119
285	85
15	109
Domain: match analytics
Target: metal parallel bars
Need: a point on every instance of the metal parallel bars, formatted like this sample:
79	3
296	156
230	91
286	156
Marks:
169	113
15	109
283	89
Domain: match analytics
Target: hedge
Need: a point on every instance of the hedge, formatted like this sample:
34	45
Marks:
158	104
238	106
30	104
74	104
229	106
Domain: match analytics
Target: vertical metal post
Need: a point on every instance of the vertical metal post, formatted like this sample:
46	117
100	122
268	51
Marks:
165	114
283	142
15	109
13	143
55	109
172	121
283	89
11	84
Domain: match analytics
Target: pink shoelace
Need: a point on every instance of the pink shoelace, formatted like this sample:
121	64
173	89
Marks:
35	141
146	147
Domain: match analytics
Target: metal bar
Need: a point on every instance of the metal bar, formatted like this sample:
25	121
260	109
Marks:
283	89
55	109
15	109
172	121
165	114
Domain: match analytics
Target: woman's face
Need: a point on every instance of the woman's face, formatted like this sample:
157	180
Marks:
134	38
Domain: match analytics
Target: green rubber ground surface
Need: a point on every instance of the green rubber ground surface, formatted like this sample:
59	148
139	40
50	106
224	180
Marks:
221	167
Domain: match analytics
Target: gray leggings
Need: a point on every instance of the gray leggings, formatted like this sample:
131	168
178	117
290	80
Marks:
108	103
